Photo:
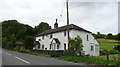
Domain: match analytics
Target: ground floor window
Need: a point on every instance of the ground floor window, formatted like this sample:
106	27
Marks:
58	46
92	48
64	46
42	46
50	46
96	48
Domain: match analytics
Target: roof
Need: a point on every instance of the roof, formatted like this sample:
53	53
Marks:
63	28
56	40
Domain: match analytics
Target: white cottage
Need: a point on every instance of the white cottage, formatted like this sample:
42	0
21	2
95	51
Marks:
56	39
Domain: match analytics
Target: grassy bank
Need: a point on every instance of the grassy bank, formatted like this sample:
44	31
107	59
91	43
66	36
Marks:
90	60
107	44
30	52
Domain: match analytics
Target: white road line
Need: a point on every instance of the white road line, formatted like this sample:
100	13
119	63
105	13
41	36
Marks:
22	60
8	53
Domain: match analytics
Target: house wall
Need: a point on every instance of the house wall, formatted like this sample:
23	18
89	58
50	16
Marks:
87	44
47	41
73	33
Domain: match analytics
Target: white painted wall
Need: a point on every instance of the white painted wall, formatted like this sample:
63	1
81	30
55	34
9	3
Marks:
63	39
87	44
46	41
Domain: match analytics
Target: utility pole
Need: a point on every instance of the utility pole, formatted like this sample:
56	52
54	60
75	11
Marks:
67	21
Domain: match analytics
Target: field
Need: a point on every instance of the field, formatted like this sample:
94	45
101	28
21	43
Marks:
106	44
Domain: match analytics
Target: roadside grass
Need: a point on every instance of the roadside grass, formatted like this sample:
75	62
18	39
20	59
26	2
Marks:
31	52
111	57
39	54
107	44
89	60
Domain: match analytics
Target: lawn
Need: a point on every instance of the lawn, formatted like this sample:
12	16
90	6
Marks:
106	44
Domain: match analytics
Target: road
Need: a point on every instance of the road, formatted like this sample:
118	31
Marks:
16	58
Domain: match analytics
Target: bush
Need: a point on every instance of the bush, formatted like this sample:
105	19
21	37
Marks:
75	47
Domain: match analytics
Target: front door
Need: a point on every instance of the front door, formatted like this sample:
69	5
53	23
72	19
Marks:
53	46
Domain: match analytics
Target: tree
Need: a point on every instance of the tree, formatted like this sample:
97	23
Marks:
29	42
109	36
75	48
117	37
42	27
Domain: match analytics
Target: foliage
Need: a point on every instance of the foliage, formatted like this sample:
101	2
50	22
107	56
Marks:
108	36
75	47
15	33
42	27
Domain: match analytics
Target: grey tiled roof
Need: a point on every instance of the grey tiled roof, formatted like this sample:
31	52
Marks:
63	28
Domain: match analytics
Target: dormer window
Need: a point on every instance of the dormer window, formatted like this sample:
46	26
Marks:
50	36
64	33
43	37
87	38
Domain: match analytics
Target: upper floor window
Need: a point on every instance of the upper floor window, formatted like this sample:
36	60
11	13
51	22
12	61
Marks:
64	33
87	38
39	39
50	36
43	37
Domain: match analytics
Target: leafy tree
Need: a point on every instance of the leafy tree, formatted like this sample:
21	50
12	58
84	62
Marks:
15	33
75	47
109	36
42	27
29	42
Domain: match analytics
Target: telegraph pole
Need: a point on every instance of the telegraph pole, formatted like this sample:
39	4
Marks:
67	21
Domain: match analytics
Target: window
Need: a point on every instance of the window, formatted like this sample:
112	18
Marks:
42	46
96	48
87	38
58	46
39	39
38	46
43	37
92	48
64	46
45	48
50	46
50	36
64	33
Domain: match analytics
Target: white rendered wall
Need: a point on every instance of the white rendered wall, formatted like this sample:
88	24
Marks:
87	44
46	41
63	39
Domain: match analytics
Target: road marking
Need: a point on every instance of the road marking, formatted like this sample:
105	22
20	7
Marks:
8	53
22	60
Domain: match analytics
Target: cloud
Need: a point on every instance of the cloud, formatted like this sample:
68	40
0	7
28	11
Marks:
93	16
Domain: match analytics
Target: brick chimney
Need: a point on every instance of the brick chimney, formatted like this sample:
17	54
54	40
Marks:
56	24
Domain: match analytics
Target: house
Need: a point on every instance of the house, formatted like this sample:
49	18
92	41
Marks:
56	39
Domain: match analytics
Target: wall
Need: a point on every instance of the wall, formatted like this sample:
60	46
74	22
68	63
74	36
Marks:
46	41
87	44
73	33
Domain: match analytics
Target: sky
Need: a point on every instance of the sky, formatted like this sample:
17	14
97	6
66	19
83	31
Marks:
93	16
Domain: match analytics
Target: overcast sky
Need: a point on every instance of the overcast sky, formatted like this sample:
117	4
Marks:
92	16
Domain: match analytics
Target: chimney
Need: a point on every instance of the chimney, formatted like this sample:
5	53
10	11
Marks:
56	24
